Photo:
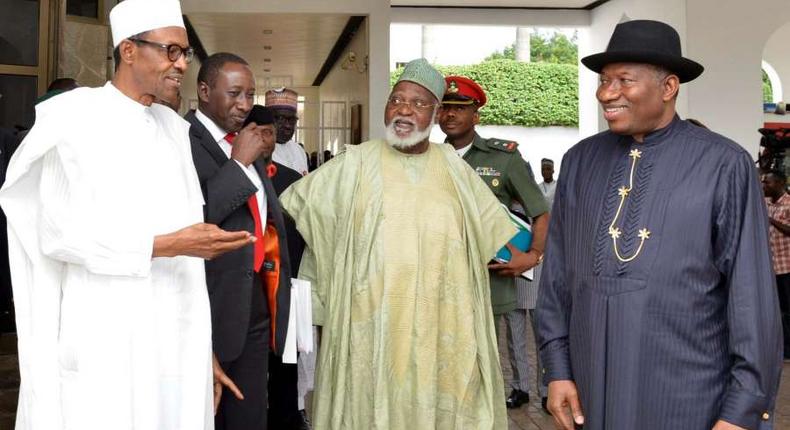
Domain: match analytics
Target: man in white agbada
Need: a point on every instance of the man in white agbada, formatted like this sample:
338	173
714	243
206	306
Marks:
104	215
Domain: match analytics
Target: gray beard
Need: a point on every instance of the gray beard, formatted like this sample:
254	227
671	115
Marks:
413	139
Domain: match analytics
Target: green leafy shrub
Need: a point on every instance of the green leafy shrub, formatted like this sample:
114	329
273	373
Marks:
526	94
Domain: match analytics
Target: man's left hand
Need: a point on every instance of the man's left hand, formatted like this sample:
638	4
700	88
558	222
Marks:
519	262
724	425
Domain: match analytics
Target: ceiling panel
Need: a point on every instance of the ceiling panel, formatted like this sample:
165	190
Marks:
572	4
300	43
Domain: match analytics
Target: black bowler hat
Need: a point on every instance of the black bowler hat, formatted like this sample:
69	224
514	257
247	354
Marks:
644	41
260	115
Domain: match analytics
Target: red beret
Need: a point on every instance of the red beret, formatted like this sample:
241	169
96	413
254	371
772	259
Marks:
461	90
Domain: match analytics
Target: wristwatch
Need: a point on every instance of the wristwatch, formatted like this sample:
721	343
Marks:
540	256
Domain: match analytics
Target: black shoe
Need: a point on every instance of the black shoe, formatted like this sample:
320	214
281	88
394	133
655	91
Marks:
543	402
303	423
516	399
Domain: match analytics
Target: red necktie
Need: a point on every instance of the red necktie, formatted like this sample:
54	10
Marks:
252	204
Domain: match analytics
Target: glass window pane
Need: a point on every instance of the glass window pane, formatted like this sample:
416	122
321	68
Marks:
86	8
19	32
17	100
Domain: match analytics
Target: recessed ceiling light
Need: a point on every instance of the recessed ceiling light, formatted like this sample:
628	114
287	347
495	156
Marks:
268	31
267	60
267	47
267	70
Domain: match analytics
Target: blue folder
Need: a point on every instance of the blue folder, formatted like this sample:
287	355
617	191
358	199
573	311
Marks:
522	240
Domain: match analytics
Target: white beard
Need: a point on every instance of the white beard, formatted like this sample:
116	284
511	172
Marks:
411	140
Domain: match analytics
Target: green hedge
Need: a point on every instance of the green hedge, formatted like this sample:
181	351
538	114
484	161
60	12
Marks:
526	94
768	91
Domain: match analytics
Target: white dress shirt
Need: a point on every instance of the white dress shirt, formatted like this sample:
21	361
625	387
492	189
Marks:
290	154
219	136
461	152
548	190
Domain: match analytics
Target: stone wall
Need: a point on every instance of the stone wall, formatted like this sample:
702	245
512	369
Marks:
84	49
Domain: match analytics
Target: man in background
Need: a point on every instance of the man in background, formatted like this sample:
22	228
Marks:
8	144
500	165
58	86
284	411
778	202
288	152
549	185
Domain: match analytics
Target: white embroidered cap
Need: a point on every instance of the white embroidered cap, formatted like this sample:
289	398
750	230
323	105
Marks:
132	17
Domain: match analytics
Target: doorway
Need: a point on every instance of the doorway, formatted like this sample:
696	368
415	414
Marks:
25	63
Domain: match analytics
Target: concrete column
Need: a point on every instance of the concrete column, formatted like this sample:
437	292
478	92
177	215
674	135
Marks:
590	120
522	44
429	43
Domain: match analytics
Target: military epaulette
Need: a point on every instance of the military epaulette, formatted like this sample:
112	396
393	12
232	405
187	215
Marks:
503	145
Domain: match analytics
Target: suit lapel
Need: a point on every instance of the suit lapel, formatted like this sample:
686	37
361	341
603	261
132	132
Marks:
260	167
198	132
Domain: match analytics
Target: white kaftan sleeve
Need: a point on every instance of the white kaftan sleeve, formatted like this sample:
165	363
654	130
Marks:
70	231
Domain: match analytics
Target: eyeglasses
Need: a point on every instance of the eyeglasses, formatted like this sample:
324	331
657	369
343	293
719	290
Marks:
174	52
397	102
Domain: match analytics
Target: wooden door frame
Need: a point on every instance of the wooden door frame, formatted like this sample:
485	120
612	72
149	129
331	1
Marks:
46	69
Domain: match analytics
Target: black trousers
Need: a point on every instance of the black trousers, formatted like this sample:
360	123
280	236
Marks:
249	372
783	287
283	394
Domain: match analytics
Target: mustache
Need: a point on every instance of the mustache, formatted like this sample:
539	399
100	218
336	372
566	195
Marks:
403	120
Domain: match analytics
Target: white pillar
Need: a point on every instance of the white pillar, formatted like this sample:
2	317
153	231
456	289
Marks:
522	44
429	43
589	123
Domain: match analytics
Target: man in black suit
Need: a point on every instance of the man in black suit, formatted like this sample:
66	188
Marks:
249	289
284	412
8	144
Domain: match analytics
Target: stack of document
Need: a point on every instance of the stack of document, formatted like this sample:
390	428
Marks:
522	240
300	321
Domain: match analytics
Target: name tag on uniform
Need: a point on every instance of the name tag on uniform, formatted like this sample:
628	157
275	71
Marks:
487	171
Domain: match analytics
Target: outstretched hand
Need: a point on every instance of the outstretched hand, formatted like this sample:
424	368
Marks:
202	240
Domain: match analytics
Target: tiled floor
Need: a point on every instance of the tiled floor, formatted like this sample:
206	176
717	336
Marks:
528	417
532	417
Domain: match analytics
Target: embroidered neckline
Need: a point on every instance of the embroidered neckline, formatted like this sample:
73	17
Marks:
624	192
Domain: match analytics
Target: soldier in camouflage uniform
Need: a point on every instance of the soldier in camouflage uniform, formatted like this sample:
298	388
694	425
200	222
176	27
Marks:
508	175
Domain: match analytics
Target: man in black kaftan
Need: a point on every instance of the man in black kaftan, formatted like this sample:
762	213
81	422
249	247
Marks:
657	305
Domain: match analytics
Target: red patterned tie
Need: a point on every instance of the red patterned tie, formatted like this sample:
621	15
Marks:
252	204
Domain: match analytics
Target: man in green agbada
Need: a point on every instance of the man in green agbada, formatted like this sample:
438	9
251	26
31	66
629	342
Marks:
399	232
